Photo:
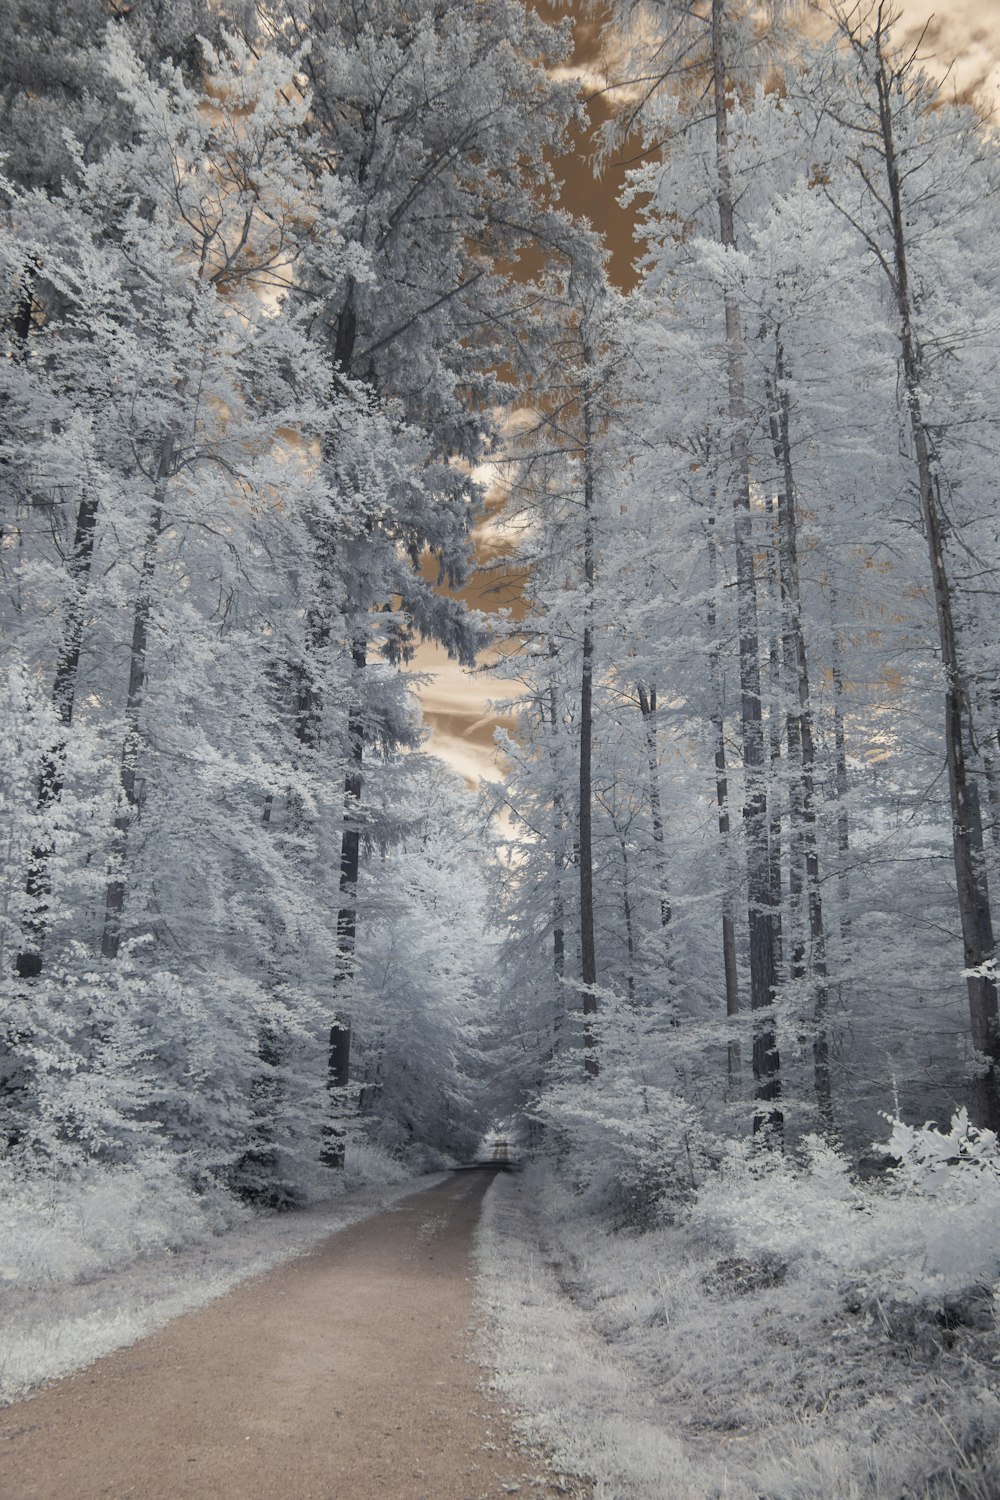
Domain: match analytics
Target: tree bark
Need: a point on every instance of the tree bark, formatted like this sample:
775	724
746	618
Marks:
967	833
647	707
559	831
588	952
128	804
774	736
333	1150
804	798
734	1061
766	1061
841	780
338	1075
627	915
24	308
38	883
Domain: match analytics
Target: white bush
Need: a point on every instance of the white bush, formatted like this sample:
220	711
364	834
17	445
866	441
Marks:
54	1232
929	1232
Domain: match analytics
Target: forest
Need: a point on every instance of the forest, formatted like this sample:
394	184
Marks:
294	315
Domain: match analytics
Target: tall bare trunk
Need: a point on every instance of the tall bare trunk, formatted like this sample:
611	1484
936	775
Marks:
338	1071
627	916
647	707
766	1062
841	781
338	1075
804	796
559	834
588	952
128	804
775	694
967	832
722	804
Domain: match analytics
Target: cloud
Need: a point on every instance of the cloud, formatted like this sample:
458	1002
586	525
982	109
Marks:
960	38
457	710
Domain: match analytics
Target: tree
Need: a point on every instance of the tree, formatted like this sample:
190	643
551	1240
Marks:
674	44
891	117
191	391
440	122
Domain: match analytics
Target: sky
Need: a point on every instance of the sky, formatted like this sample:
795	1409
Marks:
962	40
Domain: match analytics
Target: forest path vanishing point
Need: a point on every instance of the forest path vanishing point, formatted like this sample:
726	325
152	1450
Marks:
343	1375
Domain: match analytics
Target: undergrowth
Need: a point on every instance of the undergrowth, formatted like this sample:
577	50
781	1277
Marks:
793	1334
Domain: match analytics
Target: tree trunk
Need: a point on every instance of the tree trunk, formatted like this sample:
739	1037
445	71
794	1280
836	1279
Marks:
15	1073
333	1150
774	736
967	833
841	779
588	953
24	308
558	901
722	803
647	707
804	800
128	805
38	884
347	918
766	1062
629	926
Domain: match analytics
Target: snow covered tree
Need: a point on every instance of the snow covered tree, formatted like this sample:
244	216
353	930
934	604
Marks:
190	391
440	123
914	183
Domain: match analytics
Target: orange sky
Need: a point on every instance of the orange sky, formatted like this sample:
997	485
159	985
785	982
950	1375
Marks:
963	35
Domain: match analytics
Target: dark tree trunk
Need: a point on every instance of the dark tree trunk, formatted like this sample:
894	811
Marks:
722	804
774	736
588	952
24	308
841	781
338	1070
766	1062
347	917
629	925
15	1073
558	899
647	707
128	802
38	884
967	832
804	798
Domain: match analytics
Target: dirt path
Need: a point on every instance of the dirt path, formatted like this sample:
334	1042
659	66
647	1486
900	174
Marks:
345	1375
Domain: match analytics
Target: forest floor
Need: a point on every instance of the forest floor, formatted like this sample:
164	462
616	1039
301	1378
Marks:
345	1373
670	1365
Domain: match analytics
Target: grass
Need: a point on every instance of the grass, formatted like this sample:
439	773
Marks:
678	1363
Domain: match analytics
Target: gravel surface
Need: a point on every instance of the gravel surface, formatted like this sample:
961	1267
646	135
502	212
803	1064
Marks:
344	1375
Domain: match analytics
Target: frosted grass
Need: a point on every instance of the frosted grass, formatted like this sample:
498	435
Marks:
666	1368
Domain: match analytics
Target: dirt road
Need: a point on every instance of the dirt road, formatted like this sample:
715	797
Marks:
345	1375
